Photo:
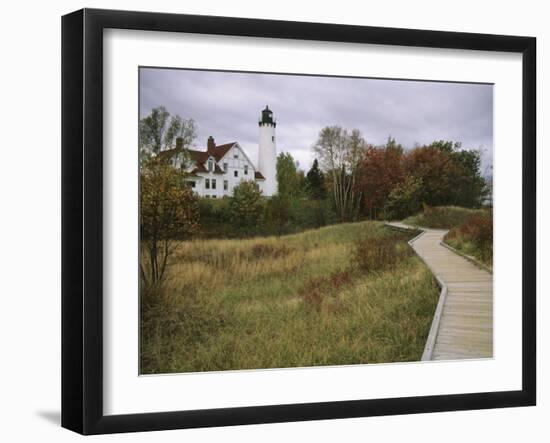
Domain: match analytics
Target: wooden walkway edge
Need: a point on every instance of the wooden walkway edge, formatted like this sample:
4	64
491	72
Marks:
462	326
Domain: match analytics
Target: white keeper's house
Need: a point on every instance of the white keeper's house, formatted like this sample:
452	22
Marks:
214	173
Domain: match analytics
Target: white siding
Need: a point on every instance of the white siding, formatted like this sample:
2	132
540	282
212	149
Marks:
233	165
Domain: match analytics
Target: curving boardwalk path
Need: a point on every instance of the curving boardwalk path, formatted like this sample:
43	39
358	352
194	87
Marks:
463	322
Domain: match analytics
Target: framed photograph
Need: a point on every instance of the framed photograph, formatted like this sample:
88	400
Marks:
268	221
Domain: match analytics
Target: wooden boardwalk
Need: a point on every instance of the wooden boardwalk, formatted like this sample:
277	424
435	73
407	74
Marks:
463	322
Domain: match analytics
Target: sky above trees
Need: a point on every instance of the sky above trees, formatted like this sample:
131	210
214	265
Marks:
227	106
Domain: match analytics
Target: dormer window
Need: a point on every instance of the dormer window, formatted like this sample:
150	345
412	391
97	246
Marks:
210	165
225	167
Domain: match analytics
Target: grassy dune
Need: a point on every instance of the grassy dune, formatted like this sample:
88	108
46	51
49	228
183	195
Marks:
297	300
443	217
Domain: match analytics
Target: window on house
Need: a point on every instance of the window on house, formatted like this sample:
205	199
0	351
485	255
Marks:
213	183
191	184
273	138
225	167
245	169
235	154
236	173
207	183
225	185
213	196
210	165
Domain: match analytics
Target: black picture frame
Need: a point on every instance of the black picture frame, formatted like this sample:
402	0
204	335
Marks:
82	218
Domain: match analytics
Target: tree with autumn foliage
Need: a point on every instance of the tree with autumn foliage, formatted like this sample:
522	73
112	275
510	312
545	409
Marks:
169	214
380	171
450	175
438	173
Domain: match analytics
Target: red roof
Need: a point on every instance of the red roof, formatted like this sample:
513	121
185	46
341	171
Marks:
198	156
201	157
219	151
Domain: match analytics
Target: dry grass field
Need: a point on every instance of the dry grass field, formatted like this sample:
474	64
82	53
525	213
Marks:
343	294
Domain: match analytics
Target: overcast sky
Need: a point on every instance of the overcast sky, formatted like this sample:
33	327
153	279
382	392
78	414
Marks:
227	106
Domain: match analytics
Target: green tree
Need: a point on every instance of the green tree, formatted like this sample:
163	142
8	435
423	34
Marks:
288	177
392	145
471	187
405	199
246	206
446	146
315	182
168	215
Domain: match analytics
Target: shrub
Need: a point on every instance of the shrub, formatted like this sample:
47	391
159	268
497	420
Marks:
307	214
474	236
379	253
277	215
215	217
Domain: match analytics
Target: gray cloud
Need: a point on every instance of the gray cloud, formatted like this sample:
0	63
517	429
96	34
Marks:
227	105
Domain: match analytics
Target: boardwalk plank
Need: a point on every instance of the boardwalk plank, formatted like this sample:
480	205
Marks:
465	329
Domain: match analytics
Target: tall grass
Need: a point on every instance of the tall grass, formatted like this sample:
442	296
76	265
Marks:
297	300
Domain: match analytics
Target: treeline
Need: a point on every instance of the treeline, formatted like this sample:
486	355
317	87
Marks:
395	183
351	180
389	182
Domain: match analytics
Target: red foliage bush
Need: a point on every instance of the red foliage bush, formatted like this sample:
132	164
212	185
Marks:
479	230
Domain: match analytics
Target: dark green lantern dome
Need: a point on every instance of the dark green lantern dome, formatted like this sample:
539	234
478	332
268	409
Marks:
267	117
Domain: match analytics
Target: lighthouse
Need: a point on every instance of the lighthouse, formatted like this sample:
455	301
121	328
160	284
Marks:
267	152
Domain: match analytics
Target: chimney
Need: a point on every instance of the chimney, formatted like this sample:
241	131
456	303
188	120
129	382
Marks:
179	143
211	144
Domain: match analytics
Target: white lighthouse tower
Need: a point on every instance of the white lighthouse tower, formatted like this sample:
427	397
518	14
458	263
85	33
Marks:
267	152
